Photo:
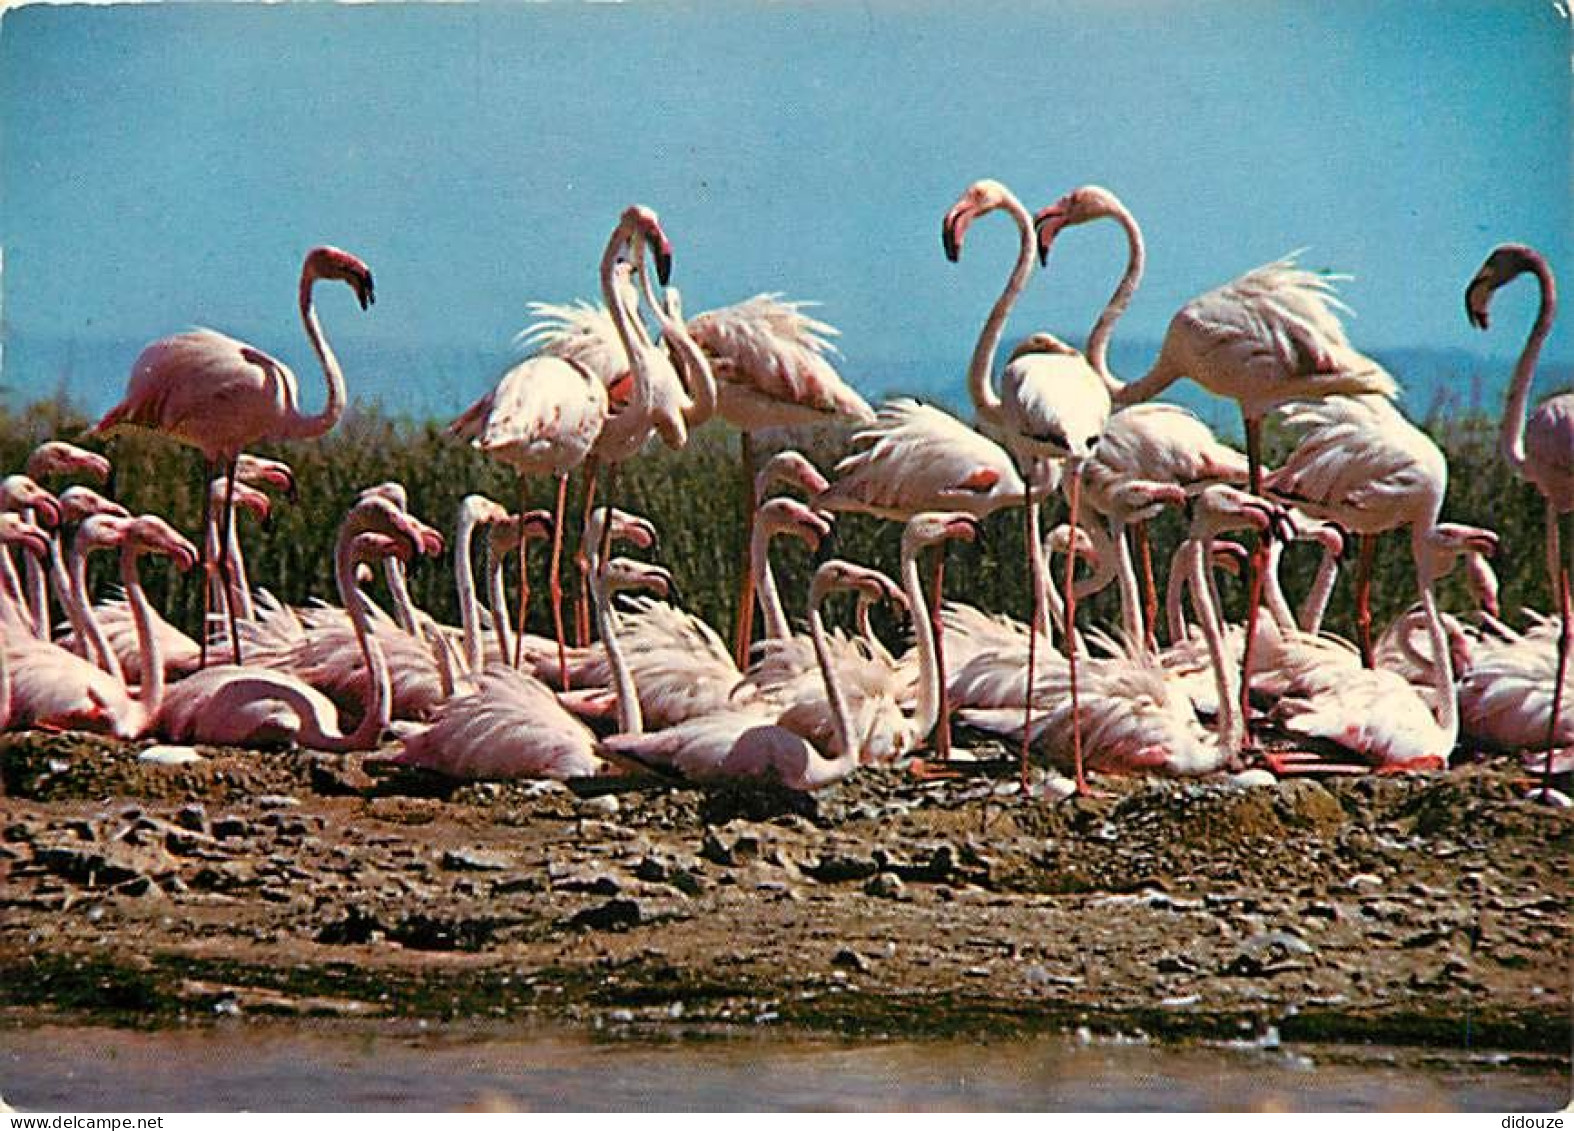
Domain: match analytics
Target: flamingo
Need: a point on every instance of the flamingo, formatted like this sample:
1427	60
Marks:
753	743
1361	464
1538	446
1137	716
246	706
53	460
21	494
114	640
1269	337
679	665
221	396
1376	713
59	687
33	542
916	458
512	725
772	364
1052	405
1507	697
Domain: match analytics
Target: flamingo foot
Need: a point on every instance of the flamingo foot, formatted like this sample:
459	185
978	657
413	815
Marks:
1426	763
922	769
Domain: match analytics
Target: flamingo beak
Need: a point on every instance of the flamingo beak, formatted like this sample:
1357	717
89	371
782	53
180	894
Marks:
953	228
663	254
642	534
1046	226
364	290
1484	543
47	511
964	529
1476	296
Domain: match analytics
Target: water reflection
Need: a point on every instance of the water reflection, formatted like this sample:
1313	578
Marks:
370	1066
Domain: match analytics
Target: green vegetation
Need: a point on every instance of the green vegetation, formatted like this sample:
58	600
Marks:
695	499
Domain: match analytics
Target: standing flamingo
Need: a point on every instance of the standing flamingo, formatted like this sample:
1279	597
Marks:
1052	405
33	504
1271	336
916	458
1540	447
221	396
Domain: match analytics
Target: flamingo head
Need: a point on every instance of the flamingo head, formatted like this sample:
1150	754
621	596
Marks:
1059	540
376	512
481	511
17	531
790	469
245	497
977	199
371	546
77	503
18	492
1090	202
537	526
870	584
641	224
1221	507
626	573
929	528
788	516
100	532
326	262
632	528
56	457
390	489
258	471
150	534
1505	263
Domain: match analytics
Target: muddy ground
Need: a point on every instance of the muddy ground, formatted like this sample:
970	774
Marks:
1419	909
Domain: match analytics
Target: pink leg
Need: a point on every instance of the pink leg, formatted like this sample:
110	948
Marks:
1363	598
1031	515
1071	634
1259	563
582	560
943	733
1150	592
224	559
1565	632
208	468
555	586
743	633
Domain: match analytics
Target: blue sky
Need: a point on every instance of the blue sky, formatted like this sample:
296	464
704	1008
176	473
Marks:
167	165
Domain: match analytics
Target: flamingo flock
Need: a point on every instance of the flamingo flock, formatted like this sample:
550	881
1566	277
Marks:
642	686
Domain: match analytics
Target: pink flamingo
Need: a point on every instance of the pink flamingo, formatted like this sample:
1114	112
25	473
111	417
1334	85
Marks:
33	542
754	743
52	460
916	458
56	686
246	706
1271	336
1537	447
1052	405
221	396
513	726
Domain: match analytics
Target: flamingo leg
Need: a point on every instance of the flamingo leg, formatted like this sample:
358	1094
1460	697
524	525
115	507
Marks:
1031	514
1363	598
1071	633
224	559
604	551
1150	591
1258	564
743	632
582	561
554	584
1565	639
208	468
943	732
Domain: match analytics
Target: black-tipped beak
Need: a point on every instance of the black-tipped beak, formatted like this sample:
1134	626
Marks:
1475	304
663	265
953	250
1046	226
365	291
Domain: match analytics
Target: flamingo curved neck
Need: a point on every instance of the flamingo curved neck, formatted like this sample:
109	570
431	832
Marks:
776	626
245	608
634	419
464	583
926	711
694	371
151	696
297	426
1511	438
1199	579
497	598
980	369
37	586
379	684
1316	603
1447	707
73	594
1273	591
631	719
847	752
1104	327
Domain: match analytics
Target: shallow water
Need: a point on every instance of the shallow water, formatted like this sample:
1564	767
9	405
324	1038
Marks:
403	1066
